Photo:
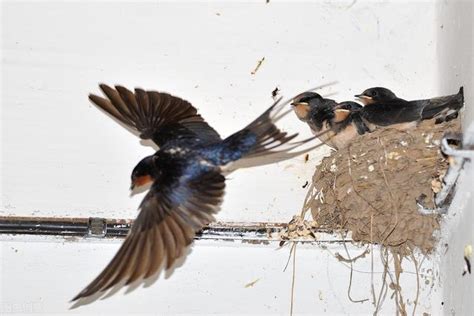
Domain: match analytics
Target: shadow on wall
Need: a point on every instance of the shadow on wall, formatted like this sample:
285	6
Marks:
455	51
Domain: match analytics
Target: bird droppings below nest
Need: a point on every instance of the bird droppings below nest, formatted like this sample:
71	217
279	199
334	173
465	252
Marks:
299	228
371	187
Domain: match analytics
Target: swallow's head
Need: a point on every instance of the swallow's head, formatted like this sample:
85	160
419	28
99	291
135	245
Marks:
144	172
376	94
304	102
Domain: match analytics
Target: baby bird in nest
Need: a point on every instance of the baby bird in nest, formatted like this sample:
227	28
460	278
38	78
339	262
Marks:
336	124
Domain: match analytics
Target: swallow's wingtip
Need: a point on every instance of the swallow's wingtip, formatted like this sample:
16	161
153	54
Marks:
76	302
461	95
121	88
76	298
95	99
103	86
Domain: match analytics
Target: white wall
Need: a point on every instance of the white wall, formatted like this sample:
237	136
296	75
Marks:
456	67
212	280
454	47
62	157
79	160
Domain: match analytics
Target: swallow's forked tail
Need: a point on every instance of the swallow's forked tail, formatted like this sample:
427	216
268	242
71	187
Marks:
444	108
262	142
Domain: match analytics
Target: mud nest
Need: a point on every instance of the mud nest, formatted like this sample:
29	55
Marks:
371	187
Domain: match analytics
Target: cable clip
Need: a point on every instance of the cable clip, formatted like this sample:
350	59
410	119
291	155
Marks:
97	227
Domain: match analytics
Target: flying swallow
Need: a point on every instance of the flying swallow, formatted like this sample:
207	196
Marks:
384	108
335	124
187	184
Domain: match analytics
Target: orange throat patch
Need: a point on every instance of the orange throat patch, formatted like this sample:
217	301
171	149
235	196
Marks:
301	110
340	115
365	100
141	181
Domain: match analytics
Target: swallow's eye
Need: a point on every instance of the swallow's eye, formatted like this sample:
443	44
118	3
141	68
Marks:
373	93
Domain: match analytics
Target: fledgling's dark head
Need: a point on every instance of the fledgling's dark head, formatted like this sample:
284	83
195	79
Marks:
144	172
303	103
376	94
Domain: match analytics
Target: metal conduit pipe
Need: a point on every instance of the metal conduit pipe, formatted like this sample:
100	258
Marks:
118	228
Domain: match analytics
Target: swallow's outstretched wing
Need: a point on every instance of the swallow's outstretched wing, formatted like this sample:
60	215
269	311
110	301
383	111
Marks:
172	211
155	115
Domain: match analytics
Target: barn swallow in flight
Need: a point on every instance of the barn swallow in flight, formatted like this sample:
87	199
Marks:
384	108
186	176
335	124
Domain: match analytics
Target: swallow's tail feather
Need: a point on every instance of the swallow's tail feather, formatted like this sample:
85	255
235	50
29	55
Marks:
261	141
443	108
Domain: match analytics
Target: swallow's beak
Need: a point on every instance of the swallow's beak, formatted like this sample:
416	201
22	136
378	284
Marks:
132	186
299	103
295	102
363	96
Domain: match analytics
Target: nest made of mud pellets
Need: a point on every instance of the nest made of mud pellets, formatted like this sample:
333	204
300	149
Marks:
370	188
